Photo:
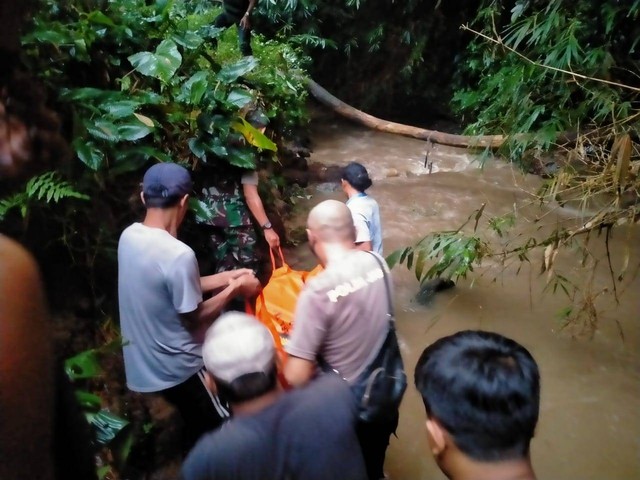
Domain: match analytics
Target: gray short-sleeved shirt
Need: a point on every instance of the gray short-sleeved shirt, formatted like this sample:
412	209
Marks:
158	279
341	314
366	218
307	434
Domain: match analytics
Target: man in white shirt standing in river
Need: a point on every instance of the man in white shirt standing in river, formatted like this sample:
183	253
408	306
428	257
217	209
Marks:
364	209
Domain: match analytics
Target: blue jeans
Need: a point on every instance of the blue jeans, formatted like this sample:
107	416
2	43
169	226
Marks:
224	20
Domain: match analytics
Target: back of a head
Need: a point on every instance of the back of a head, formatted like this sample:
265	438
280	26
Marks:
484	389
164	184
331	221
239	353
357	176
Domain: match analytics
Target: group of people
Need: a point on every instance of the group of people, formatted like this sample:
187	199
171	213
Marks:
247	414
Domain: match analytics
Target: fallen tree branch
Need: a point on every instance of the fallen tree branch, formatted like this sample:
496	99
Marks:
433	136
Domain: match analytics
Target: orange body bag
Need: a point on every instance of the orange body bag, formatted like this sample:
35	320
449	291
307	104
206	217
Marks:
276	304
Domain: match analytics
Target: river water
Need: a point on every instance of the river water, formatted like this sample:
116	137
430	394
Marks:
590	404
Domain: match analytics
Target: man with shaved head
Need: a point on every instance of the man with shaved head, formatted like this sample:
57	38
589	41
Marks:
341	317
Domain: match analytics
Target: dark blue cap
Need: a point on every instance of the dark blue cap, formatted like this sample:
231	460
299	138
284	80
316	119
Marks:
166	181
357	176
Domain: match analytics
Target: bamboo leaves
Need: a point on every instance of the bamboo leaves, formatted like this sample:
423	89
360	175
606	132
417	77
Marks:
453	255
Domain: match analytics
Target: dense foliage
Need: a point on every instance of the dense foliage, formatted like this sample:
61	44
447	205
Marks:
392	58
522	81
137	82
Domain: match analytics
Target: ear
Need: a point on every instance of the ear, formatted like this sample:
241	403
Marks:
142	198
436	437
210	383
184	201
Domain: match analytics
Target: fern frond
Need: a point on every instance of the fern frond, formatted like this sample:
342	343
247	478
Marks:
19	200
48	187
51	187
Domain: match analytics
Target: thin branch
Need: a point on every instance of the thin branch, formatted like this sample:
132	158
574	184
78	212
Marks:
613	277
542	65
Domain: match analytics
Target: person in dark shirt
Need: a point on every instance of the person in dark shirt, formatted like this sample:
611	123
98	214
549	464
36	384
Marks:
238	12
305	434
481	392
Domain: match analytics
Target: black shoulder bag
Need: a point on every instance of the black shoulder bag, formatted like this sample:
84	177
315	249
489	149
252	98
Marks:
380	387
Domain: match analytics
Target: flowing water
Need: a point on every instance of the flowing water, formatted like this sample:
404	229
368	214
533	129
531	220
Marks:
590	406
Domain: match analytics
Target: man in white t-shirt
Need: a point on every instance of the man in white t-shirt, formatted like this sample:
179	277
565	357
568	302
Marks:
162	313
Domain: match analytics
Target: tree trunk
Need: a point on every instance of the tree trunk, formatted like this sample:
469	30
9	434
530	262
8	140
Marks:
358	116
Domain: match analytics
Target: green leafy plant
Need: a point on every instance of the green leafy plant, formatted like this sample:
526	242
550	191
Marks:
45	188
452	252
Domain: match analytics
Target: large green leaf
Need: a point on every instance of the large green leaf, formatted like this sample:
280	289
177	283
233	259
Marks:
87	93
133	130
100	18
120	108
88	153
189	40
252	135
83	365
239	97
194	89
197	147
103	129
134	158
242	157
230	73
162	64
88	400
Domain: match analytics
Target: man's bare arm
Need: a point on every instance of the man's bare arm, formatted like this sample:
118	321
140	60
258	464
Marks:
246	285
298	371
256	207
244	21
221	280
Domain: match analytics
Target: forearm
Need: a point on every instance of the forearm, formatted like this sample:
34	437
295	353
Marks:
252	4
214	282
254	202
298	371
208	310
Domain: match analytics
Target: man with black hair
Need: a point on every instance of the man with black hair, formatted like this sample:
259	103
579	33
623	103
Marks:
364	209
162	313
307	434
481	392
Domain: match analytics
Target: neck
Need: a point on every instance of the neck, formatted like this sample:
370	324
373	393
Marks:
350	191
333	252
255	405
464	468
164	219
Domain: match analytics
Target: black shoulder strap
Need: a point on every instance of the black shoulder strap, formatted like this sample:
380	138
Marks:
385	277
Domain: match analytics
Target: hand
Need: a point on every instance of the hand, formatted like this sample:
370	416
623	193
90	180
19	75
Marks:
234	274
272	238
246	285
245	23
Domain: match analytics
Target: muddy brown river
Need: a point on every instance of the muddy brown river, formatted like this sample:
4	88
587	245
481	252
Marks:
590	407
